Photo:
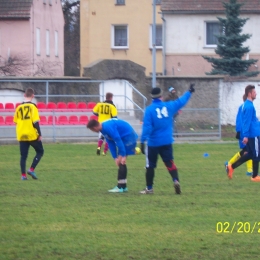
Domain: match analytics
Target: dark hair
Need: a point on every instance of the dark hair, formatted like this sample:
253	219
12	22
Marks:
92	123
109	96
29	92
248	90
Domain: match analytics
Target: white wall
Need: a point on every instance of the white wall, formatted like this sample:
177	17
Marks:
231	97
186	33
12	96
120	89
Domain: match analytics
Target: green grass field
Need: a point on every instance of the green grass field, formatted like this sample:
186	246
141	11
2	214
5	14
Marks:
68	214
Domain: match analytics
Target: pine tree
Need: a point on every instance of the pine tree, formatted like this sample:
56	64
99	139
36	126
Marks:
230	45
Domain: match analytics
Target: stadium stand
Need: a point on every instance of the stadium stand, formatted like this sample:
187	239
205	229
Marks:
52	120
43	120
93	117
82	106
51	105
71	106
9	107
41	105
73	120
62	106
63	120
9	120
2	120
91	105
83	120
1	106
17	104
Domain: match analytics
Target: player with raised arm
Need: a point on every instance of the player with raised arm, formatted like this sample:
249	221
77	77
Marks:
158	133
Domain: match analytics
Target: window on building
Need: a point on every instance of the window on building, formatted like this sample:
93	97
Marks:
38	41
212	29
56	40
120	2
119	36
47	43
158	39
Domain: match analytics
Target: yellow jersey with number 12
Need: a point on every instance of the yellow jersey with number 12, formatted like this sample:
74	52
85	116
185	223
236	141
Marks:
25	116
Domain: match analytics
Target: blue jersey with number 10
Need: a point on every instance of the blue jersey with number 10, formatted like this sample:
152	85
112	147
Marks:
158	120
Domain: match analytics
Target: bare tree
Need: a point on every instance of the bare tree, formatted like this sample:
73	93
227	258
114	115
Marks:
15	65
48	68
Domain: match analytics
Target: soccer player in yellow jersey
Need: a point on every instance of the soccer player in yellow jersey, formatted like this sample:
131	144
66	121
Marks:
104	111
28	133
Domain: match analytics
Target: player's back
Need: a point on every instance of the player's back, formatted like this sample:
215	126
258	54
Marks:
26	114
105	111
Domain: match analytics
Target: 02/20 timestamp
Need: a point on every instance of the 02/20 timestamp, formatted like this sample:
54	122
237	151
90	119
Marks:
238	227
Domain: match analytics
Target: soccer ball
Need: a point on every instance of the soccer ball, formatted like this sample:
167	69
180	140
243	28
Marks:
137	150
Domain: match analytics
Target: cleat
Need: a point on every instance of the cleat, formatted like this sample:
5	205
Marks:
125	189
104	154
32	174
249	173
177	187
226	164
116	190
146	191
256	179
230	171
24	178
98	151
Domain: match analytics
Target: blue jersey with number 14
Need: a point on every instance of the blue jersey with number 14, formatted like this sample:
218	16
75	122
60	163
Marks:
158	120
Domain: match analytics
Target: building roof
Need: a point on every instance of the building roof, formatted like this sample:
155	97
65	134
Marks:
15	9
206	6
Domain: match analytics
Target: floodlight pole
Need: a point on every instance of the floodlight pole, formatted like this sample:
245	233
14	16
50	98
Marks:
154	44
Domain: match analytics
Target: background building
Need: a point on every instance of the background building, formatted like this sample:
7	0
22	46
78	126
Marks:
31	38
120	30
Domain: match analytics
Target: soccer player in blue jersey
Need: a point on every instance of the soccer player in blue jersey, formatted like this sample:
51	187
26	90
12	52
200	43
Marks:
158	133
251	135
240	142
121	139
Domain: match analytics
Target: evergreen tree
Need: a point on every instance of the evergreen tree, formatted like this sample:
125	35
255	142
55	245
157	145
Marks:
230	45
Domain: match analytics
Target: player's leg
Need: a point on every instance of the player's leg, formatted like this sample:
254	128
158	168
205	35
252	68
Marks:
37	145
166	153
24	148
105	149
249	166
152	155
101	139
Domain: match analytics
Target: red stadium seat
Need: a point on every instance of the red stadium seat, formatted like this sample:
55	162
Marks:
1	106
91	105
82	106
93	117
43	120
41	105
73	120
9	107
2	121
9	120
17	104
63	120
52	120
51	105
72	105
62	106
83	120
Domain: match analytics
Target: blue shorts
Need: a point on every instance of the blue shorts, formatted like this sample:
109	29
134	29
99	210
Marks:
130	143
165	151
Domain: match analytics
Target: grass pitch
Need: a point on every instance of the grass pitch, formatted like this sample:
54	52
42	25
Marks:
68	214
